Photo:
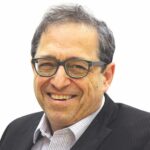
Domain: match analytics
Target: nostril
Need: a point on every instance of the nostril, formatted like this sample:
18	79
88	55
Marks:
60	82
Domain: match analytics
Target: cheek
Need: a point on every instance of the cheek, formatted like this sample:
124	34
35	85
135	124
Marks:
96	81
94	89
38	85
91	86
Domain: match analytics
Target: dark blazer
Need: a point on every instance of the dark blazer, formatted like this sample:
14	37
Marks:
116	127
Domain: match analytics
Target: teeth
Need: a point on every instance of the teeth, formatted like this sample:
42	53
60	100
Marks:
60	97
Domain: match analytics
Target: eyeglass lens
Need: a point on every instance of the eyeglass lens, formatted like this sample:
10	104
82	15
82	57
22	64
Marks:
74	68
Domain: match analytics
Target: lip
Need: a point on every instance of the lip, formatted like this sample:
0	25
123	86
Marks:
60	97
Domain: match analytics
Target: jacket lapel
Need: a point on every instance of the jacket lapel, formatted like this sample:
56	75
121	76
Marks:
98	129
27	135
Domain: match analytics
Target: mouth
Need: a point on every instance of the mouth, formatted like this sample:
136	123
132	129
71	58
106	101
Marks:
60	97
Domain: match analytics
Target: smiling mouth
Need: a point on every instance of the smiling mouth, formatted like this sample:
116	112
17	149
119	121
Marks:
60	97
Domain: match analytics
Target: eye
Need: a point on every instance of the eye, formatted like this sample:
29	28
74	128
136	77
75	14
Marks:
46	66
76	66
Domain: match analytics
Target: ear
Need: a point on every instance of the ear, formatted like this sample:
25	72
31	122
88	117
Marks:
108	74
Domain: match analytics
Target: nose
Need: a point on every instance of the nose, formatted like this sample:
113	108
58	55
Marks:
60	80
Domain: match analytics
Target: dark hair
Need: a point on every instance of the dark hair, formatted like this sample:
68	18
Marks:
76	14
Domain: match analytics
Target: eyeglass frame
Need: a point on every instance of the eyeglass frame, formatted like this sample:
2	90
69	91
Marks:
62	63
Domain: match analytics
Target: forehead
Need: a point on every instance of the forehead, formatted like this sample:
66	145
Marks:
69	39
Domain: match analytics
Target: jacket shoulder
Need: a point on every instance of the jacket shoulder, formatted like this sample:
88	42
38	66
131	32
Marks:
20	129
126	114
132	124
131	114
34	117
130	127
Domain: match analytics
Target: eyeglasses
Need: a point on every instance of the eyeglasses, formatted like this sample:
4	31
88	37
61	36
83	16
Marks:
74	67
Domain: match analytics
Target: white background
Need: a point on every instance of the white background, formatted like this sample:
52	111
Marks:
130	22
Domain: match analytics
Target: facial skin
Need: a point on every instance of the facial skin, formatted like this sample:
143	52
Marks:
66	100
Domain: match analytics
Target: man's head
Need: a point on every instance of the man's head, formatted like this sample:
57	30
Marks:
73	39
76	14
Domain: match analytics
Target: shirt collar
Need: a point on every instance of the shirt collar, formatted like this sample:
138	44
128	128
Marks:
77	129
42	129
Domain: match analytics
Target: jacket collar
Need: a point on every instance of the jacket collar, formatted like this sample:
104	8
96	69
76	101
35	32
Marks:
27	133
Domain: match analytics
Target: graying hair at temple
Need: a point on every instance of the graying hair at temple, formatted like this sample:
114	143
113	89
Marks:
76	14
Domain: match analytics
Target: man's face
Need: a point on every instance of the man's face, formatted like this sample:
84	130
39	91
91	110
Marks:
66	100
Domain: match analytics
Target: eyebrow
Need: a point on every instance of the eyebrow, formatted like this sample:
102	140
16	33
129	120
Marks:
46	56
50	56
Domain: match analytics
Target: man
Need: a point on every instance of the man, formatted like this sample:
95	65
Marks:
72	56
